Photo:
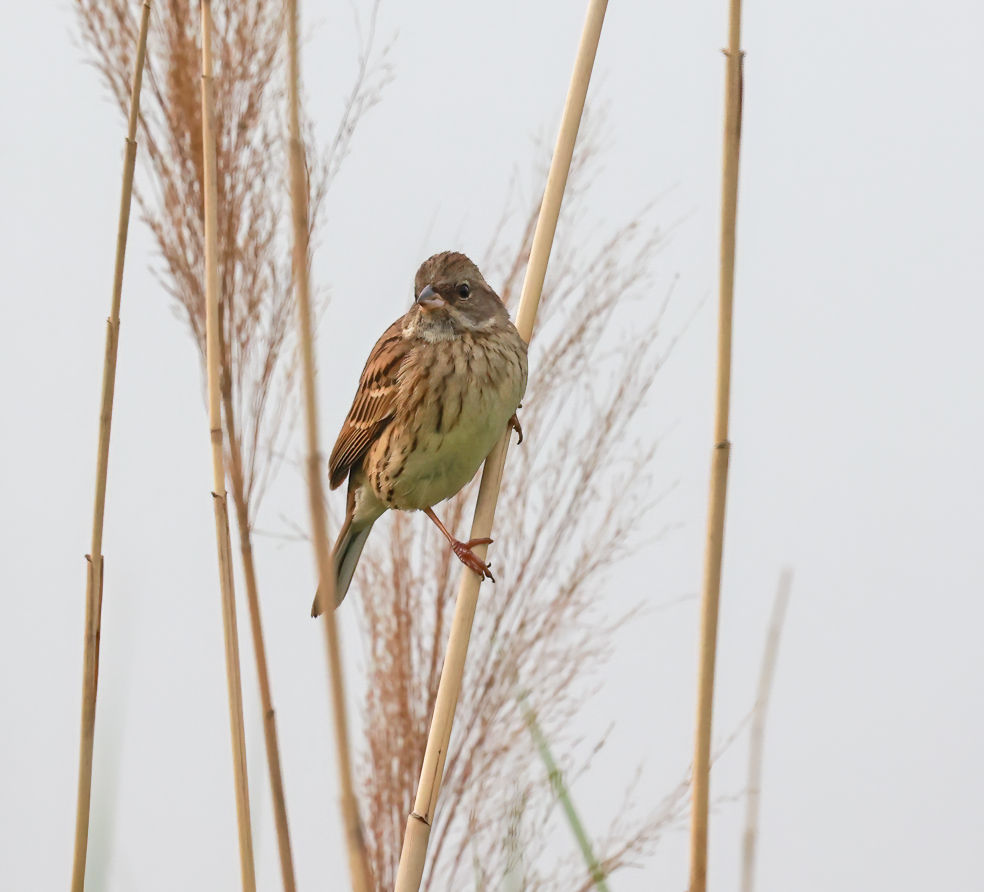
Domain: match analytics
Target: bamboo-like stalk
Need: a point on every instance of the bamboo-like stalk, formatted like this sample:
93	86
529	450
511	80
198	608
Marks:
95	562
595	869
358	857
259	648
756	745
414	853
213	361
711	596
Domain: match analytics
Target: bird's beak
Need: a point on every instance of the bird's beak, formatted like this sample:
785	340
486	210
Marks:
429	299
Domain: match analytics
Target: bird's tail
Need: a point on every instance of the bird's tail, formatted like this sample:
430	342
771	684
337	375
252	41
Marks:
345	557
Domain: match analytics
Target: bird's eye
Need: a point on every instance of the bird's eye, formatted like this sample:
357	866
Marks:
463	290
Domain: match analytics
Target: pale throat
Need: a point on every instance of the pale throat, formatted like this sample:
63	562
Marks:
437	326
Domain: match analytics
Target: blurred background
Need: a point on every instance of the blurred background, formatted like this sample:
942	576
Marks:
857	414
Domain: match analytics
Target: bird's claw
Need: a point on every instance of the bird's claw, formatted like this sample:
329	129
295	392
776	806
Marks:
516	426
472	561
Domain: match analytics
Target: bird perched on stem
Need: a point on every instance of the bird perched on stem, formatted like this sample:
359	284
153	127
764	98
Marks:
439	388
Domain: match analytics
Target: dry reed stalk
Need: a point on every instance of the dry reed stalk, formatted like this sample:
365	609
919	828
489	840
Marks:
413	856
756	746
358	859
241	502
222	536
95	562
711	596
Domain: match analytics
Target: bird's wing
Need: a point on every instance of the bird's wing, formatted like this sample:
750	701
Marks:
374	405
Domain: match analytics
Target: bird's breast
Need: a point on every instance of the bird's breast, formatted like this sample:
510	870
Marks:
455	401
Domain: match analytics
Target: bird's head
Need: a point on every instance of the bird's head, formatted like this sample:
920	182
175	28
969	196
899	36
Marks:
451	297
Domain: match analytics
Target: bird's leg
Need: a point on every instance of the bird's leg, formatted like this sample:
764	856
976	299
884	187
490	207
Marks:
516	426
464	549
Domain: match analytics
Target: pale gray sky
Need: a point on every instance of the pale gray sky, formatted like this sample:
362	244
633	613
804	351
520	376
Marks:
857	419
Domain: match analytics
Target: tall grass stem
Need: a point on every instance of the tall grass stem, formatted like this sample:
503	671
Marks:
711	596
361	876
95	562
270	736
414	853
213	362
756	746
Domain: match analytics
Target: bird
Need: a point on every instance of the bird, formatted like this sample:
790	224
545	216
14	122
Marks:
439	389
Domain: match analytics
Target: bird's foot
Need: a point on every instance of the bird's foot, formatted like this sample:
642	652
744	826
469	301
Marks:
516	426
471	560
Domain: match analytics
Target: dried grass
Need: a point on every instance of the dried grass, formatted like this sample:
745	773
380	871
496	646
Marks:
254	251
258	349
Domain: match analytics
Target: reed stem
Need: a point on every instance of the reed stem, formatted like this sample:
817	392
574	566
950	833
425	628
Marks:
414	853
711	597
95	563
358	858
213	361
756	746
270	736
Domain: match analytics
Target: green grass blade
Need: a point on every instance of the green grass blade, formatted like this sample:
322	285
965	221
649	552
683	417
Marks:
563	795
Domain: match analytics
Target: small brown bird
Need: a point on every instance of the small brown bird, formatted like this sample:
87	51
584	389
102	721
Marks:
438	390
